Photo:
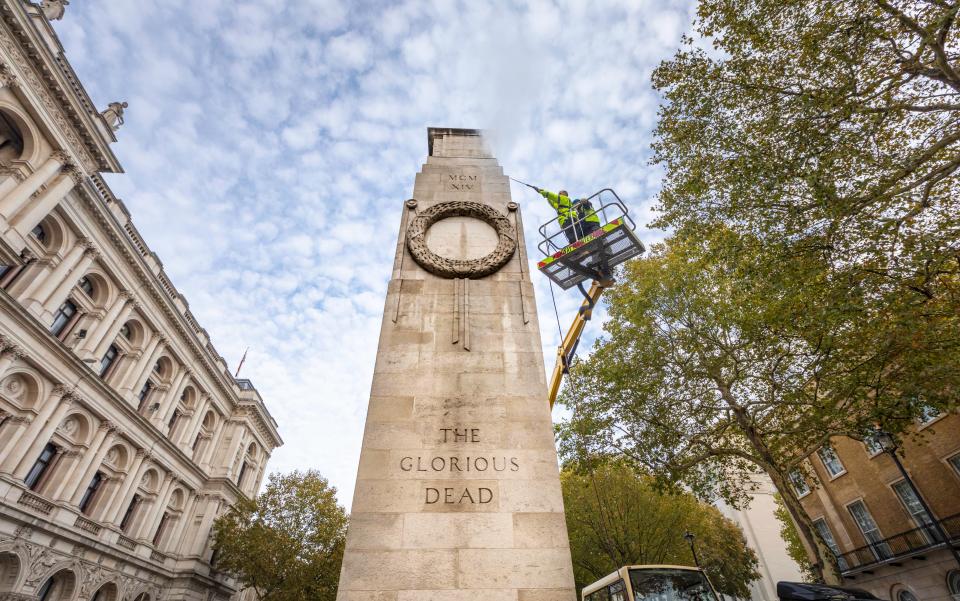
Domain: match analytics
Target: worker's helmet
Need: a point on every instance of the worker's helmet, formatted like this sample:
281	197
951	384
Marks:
564	193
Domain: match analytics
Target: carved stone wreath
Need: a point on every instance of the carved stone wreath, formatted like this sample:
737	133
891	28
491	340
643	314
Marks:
461	268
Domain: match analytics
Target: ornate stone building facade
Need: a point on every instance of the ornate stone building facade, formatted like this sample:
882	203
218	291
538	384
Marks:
122	432
866	511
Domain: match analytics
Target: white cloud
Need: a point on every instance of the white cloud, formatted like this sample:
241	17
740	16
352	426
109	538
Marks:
350	51
269	148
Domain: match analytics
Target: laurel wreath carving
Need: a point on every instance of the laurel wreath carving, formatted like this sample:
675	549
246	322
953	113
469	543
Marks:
461	268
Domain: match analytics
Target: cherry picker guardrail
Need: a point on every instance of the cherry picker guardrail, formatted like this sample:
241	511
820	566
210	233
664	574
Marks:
591	257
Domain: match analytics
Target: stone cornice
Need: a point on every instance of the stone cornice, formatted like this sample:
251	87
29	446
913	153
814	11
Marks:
46	74
98	209
53	80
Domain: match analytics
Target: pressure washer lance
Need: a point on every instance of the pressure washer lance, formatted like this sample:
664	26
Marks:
526	184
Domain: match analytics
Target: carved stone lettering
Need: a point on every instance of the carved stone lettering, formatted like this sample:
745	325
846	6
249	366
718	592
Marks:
457	496
461	182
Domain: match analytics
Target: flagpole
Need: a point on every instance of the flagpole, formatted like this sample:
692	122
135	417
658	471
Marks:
242	359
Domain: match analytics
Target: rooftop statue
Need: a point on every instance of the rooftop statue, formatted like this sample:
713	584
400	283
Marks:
54	9
113	114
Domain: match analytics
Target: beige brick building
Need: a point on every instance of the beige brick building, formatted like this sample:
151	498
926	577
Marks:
865	510
122	432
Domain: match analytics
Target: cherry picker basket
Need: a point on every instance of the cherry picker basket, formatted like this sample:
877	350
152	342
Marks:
594	254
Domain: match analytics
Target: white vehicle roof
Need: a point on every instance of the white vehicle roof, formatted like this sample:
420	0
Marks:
622	573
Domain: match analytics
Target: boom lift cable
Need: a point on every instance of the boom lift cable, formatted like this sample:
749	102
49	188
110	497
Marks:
555	311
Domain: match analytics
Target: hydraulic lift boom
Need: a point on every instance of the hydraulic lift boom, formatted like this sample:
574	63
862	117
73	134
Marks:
568	347
589	254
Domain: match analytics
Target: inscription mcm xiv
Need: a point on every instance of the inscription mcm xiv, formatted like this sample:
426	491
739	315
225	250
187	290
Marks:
456	463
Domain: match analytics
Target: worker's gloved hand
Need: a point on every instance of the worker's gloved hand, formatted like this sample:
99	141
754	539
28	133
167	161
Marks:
536	188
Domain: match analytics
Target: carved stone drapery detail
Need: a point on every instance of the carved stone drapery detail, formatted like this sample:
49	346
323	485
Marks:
61	156
461	268
53	10
12	350
7	76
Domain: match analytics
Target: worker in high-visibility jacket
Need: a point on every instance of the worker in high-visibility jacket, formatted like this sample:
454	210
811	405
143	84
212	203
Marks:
576	219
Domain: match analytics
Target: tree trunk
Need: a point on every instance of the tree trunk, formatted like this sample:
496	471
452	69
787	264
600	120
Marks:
824	564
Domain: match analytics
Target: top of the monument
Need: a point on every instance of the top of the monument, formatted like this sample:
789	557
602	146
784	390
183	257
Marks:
439	132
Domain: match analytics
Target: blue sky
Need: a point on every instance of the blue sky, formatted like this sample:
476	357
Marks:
269	145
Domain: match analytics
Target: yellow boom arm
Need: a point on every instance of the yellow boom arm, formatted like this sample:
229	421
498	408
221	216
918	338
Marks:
570	340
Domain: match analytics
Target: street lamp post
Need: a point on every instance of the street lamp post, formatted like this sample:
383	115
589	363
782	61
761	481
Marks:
693	549
889	445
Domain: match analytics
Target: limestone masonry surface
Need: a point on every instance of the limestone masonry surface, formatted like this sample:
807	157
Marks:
458	490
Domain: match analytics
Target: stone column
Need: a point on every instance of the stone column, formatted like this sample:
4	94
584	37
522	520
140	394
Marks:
210	453
170	401
190	432
202	533
176	540
234	456
11	181
92	462
122	499
11	432
16	198
37	433
59	472
105	504
68	463
40	288
135	380
30	433
34	212
159	504
102	336
60	294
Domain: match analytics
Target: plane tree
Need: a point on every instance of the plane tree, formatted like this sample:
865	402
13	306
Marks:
830	127
719	362
287	543
616	517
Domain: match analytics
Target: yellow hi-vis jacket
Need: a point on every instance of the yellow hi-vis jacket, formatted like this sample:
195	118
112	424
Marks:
562	205
566	211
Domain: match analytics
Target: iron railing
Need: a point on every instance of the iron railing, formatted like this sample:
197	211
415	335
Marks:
900	545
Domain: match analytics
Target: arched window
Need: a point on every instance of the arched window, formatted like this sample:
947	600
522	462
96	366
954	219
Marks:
953	583
86	285
11	140
130	512
109	358
161	528
172	423
10	568
905	595
243	472
58	587
144	395
90	494
39	233
62	317
41	466
44	593
125	331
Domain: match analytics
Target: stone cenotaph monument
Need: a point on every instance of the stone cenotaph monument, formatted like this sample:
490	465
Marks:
458	490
